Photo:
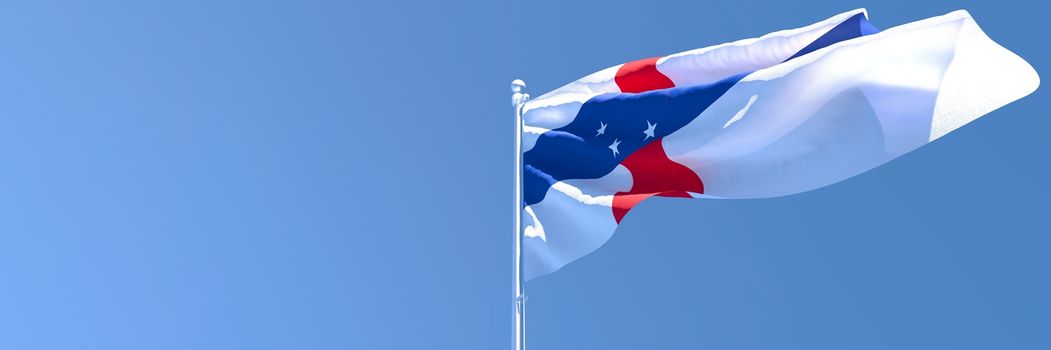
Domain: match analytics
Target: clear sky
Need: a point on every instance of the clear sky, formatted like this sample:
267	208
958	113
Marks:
337	175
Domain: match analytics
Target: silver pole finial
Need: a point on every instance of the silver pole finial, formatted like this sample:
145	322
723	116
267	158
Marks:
519	97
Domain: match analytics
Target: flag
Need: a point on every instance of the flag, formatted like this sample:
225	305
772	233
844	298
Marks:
784	113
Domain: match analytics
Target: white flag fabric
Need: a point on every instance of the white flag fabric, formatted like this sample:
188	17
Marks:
786	113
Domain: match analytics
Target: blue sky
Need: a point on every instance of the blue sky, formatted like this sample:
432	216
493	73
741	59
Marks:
337	175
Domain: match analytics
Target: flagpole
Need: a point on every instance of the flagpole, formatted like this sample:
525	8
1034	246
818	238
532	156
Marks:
518	99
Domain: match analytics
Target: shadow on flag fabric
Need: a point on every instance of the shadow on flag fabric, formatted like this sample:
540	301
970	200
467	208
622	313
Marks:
784	113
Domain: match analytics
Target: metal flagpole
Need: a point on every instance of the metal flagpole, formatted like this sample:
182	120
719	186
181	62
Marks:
518	100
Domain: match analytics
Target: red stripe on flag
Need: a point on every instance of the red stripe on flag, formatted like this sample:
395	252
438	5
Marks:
641	76
652	172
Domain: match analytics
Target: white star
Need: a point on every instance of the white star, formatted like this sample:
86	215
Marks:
601	130
649	130
613	147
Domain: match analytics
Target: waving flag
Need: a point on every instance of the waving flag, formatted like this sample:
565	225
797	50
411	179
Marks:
788	112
